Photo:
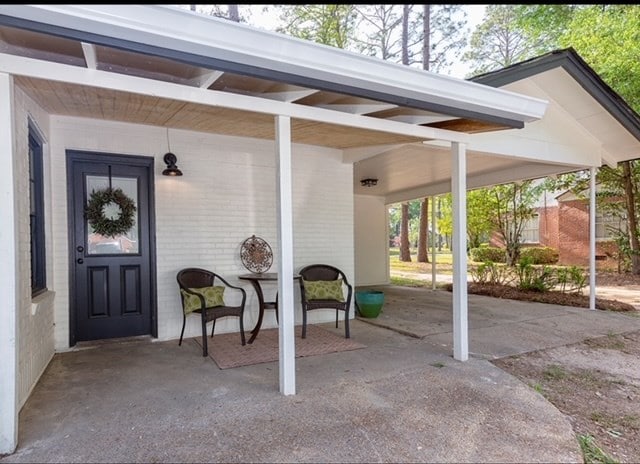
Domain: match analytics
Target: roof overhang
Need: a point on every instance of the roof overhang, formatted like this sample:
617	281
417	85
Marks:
224	46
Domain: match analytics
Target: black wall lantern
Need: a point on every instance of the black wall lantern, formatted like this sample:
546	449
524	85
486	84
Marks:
369	182
172	169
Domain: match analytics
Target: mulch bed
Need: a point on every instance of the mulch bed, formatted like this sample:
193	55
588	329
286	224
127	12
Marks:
551	297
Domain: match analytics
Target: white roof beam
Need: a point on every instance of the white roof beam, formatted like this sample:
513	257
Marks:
90	55
485	179
417	119
512	145
358	108
206	79
288	96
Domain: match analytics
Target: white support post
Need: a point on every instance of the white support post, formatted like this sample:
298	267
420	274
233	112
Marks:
459	248
9	272
433	244
592	239
286	332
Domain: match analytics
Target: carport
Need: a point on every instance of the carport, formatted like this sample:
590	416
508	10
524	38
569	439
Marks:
129	78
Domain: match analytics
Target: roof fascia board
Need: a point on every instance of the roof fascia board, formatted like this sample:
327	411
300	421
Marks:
186	36
584	75
512	146
103	79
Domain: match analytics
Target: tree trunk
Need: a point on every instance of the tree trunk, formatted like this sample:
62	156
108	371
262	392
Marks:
405	34
405	250
630	198
423	234
423	250
426	37
233	13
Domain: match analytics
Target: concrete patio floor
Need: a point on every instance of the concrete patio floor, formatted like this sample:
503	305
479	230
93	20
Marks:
401	399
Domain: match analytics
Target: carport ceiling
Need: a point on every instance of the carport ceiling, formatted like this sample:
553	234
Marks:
416	171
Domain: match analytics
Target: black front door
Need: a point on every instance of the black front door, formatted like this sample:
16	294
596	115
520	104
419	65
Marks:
113	277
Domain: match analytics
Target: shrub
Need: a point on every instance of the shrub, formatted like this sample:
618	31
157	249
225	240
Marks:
491	273
540	255
534	278
485	254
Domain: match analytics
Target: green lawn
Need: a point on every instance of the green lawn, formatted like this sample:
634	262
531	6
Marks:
443	262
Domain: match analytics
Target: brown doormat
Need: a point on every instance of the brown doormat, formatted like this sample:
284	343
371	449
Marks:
227	352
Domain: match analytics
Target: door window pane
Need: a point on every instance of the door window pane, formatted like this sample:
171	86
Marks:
120	244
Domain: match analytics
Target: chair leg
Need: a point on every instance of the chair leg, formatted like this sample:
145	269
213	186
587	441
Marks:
346	324
205	350
213	327
304	323
337	318
184	322
242	331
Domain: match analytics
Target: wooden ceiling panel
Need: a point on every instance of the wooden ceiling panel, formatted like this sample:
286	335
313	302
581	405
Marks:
89	102
342	137
469	126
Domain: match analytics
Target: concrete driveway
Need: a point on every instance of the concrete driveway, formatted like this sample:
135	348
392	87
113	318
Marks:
401	399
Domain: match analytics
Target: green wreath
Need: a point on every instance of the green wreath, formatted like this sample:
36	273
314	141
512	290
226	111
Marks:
103	225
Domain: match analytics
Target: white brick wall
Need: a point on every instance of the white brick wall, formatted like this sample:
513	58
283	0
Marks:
227	194
35	317
372	240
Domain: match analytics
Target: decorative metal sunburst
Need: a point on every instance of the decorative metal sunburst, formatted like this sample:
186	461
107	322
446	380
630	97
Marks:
256	255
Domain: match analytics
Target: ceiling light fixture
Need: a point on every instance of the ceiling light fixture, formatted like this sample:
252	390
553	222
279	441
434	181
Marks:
369	182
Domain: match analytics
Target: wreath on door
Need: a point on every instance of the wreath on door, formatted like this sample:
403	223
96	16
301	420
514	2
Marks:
114	224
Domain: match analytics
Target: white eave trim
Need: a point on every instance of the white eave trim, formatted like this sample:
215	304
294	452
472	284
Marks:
190	33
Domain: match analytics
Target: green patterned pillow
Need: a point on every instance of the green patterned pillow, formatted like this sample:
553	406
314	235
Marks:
213	296
323	289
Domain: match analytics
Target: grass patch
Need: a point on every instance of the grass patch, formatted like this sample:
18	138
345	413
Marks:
538	388
438	364
615	341
592	453
554	372
408	282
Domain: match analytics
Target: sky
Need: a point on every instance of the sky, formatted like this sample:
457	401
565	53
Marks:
268	20
475	14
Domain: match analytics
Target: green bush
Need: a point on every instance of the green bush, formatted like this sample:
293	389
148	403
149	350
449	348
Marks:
540	255
491	273
485	254
534	278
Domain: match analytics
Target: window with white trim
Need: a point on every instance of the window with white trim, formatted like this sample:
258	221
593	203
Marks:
531	230
607	224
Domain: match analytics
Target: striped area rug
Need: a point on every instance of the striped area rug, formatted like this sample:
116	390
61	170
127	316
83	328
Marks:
227	351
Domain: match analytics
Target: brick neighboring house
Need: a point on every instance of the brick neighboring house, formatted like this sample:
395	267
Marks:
562	222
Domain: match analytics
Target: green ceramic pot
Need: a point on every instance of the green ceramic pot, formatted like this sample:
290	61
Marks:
369	303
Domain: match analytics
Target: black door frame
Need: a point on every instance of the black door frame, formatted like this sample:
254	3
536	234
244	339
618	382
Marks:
127	160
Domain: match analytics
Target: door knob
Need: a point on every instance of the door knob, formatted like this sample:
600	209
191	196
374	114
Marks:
80	261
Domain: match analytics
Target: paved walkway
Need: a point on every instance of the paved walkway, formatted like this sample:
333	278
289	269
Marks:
401	399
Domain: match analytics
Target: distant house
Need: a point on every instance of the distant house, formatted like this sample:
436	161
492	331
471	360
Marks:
564	225
561	222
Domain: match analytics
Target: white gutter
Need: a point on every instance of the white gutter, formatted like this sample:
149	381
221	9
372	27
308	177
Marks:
190	33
